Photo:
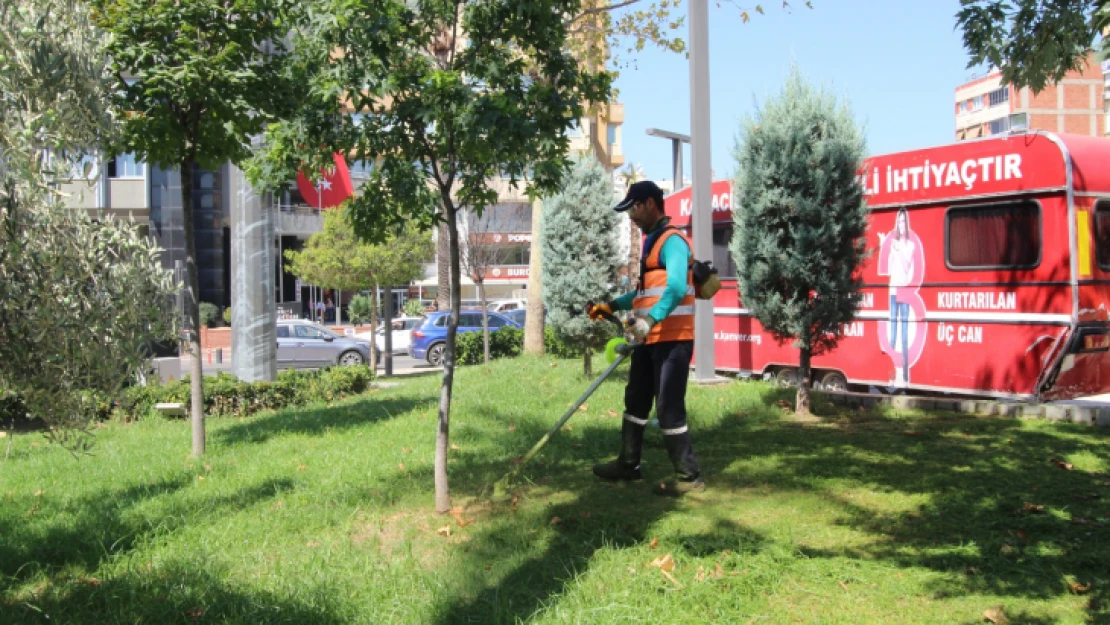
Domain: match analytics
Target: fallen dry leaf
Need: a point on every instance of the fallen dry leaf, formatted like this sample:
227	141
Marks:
554	364
312	544
664	563
995	615
401	466
584	407
1067	466
1078	588
843	585
454	447
200	477
654	543
512	427
301	467
406	449
515	499
910	433
1032	508
701	574
444	531
673	580
1006	550
555	520
457	514
611	412
89	581
718	571
195	613
1022	535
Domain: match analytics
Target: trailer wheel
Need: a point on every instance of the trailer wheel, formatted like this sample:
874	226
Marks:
787	376
834	382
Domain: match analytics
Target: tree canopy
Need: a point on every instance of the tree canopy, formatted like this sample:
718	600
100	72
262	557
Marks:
1033	42
80	300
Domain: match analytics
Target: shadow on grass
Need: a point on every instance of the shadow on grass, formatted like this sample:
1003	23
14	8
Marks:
174	592
102	527
318	419
975	475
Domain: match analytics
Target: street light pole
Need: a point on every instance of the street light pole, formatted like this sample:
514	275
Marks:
676	152
701	215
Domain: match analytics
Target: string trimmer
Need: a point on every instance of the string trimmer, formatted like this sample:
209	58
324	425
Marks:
616	351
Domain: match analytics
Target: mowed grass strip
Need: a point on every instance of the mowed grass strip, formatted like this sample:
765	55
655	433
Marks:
323	514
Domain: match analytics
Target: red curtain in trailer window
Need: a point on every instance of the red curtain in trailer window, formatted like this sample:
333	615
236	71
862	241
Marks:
999	236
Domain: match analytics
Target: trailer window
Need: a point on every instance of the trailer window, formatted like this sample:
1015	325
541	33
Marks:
1102	234
722	258
999	236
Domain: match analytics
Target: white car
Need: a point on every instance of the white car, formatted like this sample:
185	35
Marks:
402	330
505	305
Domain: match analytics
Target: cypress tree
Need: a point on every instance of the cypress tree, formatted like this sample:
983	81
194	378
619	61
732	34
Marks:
580	255
800	219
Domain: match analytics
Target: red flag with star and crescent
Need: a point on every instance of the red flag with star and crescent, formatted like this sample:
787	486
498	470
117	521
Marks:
330	189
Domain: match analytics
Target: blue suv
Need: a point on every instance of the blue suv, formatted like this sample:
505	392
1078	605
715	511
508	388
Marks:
429	337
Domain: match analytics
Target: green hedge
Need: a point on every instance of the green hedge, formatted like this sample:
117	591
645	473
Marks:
224	395
505	342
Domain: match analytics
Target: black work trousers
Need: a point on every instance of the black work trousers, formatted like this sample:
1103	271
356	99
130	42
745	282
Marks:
658	375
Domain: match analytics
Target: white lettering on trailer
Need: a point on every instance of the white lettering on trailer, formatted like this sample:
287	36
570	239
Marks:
981	300
867	300
951	174
735	337
946	333
721	203
852	329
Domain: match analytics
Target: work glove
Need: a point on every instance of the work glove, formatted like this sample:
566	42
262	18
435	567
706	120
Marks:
599	311
640	327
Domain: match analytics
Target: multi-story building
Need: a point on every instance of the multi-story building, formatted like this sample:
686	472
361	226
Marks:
1075	105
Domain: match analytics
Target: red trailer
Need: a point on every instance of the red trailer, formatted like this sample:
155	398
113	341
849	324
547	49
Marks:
989	274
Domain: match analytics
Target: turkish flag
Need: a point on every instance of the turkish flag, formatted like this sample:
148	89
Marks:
331	189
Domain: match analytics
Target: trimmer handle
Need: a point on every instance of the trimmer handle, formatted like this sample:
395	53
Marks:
607	317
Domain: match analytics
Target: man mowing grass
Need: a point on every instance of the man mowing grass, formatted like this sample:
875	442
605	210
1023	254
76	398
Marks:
663	308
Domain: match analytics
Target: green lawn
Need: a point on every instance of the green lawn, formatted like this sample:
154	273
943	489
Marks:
324	515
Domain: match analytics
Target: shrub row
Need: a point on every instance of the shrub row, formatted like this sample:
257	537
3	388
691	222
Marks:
508	342
224	395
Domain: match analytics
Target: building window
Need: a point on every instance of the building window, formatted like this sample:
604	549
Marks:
575	131
125	166
998	236
961	108
977	103
999	96
1000	126
612	134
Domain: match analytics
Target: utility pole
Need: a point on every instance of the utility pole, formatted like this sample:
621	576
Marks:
701	214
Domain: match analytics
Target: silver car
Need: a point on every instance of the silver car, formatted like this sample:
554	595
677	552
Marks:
302	344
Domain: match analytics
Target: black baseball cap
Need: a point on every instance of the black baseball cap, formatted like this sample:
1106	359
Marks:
639	192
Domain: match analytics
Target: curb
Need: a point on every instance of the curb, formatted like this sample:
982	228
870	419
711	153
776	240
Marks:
1071	413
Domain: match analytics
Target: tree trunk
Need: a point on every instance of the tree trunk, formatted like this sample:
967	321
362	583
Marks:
634	245
587	362
443	490
801	403
533	320
192	310
485	319
374	328
443	267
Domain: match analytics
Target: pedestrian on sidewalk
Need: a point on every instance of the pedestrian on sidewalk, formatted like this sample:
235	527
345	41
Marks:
663	310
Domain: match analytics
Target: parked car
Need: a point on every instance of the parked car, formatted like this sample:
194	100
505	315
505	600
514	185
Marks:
303	344
517	316
429	339
505	305
402	328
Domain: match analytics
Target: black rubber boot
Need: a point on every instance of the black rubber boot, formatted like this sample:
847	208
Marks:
627	465
687	477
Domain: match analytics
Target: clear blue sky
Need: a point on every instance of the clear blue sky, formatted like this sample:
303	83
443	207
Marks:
897	62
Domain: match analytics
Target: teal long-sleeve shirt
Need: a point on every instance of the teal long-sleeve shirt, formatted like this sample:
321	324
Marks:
675	256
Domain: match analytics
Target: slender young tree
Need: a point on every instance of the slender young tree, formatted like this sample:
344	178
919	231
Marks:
581	252
194	81
450	95
482	250
800	220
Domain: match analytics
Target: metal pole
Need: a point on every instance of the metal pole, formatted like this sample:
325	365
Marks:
701	215
676	162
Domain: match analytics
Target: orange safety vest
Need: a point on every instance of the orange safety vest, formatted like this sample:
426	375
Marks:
679	325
